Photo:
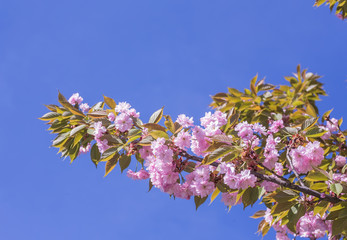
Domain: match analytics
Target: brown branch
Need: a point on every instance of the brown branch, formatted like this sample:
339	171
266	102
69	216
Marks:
274	179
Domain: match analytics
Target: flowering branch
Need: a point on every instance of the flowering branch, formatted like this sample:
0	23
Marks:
252	134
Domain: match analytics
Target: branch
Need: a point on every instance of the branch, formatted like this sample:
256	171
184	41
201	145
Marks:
279	181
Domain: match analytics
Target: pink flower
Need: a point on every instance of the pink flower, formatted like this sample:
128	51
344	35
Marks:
145	152
333	125
279	169
229	199
122	107
84	107
245	131
269	186
306	157
132	112
270	152
340	16
99	130
102	145
257	127
183	140
111	116
140	175
311	226
340	161
185	121
85	149
212	122
198	142
276	126
123	122
75	99
131	174
326	135
242	180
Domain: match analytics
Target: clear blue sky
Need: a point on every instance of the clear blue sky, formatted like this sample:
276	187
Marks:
149	53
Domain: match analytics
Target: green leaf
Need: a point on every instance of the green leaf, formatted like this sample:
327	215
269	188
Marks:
178	127
124	162
289	130
77	129
156	116
133	138
77	138
282	207
60	139
321	208
110	102
285	196
309	123
154	126
250	196
159	134
326	115
51	107
316	176
169	124
311	110
50	116
214	195
147	141
294	214
252	85
109	153
235	92
259	214
336	188
98	114
339	226
198	201
218	153
76	111
62	100
95	154
111	163
315	132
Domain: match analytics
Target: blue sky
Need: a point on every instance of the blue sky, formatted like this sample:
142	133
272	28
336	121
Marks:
149	53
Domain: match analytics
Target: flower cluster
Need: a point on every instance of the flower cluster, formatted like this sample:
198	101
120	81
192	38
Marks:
306	157
312	226
235	180
99	131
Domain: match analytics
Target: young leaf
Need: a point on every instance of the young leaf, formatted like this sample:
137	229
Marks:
198	201
109	153
124	162
156	116
50	116
95	154
110	102
111	163
336	188
309	123
214	195
159	134
77	129
250	196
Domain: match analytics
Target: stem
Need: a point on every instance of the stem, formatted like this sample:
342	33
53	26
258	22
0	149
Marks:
274	179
